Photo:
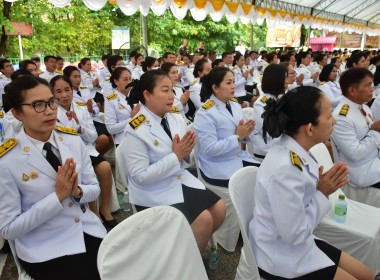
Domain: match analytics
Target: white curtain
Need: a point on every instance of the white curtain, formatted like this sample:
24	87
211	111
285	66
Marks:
95	5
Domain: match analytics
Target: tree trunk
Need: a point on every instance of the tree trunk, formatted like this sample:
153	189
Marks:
3	41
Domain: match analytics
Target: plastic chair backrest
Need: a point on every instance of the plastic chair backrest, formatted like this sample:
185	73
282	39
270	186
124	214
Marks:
242	188
156	243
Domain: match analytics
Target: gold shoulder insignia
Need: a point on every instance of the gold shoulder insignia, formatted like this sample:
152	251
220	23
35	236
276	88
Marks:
102	67
208	104
108	79
194	83
264	99
177	86
111	96
323	82
66	130
175	110
1	77
1	115
137	121
80	103
7	146
234	100
134	67
234	68
344	110
296	160
300	66
83	87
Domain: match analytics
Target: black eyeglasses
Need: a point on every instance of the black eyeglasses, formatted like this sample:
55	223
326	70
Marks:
40	106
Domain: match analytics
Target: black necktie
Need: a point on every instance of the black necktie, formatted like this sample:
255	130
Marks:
228	107
166	127
51	157
78	92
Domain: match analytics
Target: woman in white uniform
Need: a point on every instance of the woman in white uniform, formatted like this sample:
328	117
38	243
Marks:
221	129
157	148
181	97
303	60
241	77
117	110
137	70
329	85
82	97
46	182
291	194
274	84
77	117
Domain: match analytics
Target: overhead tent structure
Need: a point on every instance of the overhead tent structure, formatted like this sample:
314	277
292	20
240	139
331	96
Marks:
360	16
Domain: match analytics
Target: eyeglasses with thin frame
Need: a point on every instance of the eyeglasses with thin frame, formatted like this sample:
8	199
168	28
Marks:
40	106
8	66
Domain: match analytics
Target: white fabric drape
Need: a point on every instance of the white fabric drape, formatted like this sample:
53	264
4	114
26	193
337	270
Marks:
60	3
95	5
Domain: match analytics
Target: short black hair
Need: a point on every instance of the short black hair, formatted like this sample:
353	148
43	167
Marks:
20	72
325	73
46	59
35	58
24	63
352	78
2	62
224	55
59	58
105	56
216	62
69	70
273	81
112	60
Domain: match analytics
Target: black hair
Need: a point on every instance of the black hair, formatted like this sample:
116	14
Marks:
319	57
46	59
237	56
300	106
224	55
2	62
167	66
376	78
354	58
326	71
59	58
334	59
132	54
216	62
187	55
211	52
83	61
148	62
301	55
137	55
352	78
215	77
35	58
105	56
198	67
166	55
20	72
375	59
253	52
54	80
148	82
112	60
273	81
69	70
116	75
270	56
15	91
24	63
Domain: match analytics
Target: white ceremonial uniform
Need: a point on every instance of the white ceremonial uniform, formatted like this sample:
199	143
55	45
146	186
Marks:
356	143
312	66
254	63
105	81
287	210
87	79
372	68
332	91
88	132
259	147
31	214
6	129
183	69
117	113
129	66
302	69
190	75
82	100
220	154
264	64
195	93
240	82
375	108
293	86
155	174
3	82
48	75
137	72
183	109
250	76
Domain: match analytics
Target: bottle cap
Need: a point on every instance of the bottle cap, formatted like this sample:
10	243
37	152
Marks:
342	196
213	247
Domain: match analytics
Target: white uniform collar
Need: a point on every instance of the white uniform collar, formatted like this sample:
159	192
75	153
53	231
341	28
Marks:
39	144
156	118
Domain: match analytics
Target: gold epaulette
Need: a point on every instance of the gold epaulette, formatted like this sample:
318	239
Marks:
300	66
323	82
208	104
296	160
67	130
344	110
264	99
7	146
80	103
83	87
111	96
175	110
1	115
234	68
101	68
137	121
194	83
134	67
234	100
107	80
177	86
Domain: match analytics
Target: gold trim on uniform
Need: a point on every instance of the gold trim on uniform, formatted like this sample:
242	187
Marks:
175	110
137	121
1	115
33	174
323	82
208	104
25	177
83	87
344	110
264	99
296	160
194	83
234	100
7	146
66	130
111	96
156	142
81	103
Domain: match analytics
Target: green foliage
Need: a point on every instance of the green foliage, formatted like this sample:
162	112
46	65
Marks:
76	30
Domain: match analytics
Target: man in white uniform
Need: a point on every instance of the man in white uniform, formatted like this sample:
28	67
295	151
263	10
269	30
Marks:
51	65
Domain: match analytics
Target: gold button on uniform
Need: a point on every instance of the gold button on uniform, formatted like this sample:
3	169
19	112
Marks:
26	149
179	177
60	139
77	220
238	155
70	205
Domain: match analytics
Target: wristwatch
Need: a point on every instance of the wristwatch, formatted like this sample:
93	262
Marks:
77	198
238	138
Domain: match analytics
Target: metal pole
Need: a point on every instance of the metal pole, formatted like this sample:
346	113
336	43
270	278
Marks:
340	40
308	37
251	43
145	34
364	38
20	44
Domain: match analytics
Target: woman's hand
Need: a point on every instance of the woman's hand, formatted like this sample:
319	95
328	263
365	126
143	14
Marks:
185	97
244	129
333	179
315	76
183	147
135	110
66	179
299	79
245	74
95	82
89	106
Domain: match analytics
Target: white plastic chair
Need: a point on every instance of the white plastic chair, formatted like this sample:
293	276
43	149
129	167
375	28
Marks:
359	236
156	243
242	188
227	234
366	195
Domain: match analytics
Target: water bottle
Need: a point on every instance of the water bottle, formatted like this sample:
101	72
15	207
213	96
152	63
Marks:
120	196
127	205
213	258
340	209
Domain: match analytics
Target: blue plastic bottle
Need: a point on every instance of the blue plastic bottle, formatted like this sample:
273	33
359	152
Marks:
213	258
340	213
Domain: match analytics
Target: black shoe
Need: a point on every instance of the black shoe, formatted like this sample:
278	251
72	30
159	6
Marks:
108	223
